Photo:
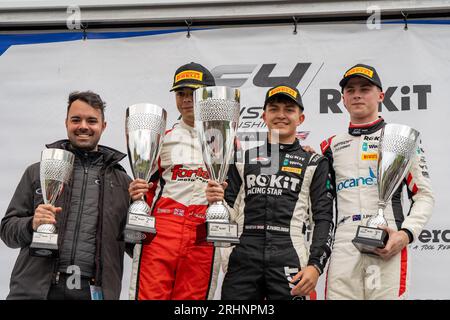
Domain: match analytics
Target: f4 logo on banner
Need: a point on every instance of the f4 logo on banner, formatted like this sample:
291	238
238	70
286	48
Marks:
235	75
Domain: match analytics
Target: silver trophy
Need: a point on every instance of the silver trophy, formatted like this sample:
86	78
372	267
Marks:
396	149
56	168
216	112
145	126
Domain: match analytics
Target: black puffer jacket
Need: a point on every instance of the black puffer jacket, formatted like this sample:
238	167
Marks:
31	277
79	245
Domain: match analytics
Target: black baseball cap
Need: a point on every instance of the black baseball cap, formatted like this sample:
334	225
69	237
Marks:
285	90
192	75
363	71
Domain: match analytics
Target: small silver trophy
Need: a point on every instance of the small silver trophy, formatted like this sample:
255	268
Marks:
216	112
395	151
56	169
145	126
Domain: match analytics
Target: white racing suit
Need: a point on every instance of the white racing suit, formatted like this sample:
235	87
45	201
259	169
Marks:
353	157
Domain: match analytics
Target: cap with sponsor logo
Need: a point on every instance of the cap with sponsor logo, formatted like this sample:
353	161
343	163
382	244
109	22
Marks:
192	75
285	90
364	71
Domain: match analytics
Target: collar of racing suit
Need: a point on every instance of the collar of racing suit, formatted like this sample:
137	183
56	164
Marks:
283	146
366	128
186	126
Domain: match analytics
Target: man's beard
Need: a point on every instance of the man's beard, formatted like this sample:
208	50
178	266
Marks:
88	146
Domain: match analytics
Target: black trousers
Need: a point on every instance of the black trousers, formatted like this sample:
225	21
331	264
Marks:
260	268
61	290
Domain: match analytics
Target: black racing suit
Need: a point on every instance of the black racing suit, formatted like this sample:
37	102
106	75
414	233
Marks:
275	196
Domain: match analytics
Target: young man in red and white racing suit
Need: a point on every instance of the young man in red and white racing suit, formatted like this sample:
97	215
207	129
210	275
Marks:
173	265
353	157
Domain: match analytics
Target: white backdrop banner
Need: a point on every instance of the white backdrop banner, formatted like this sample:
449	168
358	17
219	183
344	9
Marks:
39	71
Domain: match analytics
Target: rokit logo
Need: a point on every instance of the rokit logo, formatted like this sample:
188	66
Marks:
404	99
270	184
181	174
433	240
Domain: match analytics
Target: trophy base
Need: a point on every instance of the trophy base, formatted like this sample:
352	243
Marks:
221	234
368	239
136	237
141	222
44	245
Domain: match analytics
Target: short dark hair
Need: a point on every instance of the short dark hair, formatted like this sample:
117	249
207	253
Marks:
91	98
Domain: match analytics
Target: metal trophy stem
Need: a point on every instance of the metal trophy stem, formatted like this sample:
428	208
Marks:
378	219
56	168
216	121
395	151
145	126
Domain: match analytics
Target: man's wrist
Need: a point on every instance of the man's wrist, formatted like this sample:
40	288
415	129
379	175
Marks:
30	226
316	267
409	234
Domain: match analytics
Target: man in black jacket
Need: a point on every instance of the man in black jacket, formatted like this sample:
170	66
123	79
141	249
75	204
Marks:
89	216
275	195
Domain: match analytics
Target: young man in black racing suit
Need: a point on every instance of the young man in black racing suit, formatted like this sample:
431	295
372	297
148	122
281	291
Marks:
275	195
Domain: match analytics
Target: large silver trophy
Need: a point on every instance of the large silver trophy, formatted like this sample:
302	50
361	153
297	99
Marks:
145	125
56	169
216	121
396	149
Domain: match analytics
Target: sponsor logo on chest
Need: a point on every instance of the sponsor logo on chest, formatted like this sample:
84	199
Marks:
287	162
351	183
342	145
367	146
369	156
292	170
294	157
182	174
270	184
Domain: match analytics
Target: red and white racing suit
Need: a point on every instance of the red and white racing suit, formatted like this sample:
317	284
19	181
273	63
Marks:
352	275
173	265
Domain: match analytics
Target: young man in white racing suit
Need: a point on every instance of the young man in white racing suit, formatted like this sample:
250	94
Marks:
353	157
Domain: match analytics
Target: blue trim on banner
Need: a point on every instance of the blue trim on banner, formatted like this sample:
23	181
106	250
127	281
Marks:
438	21
33	38
7	40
